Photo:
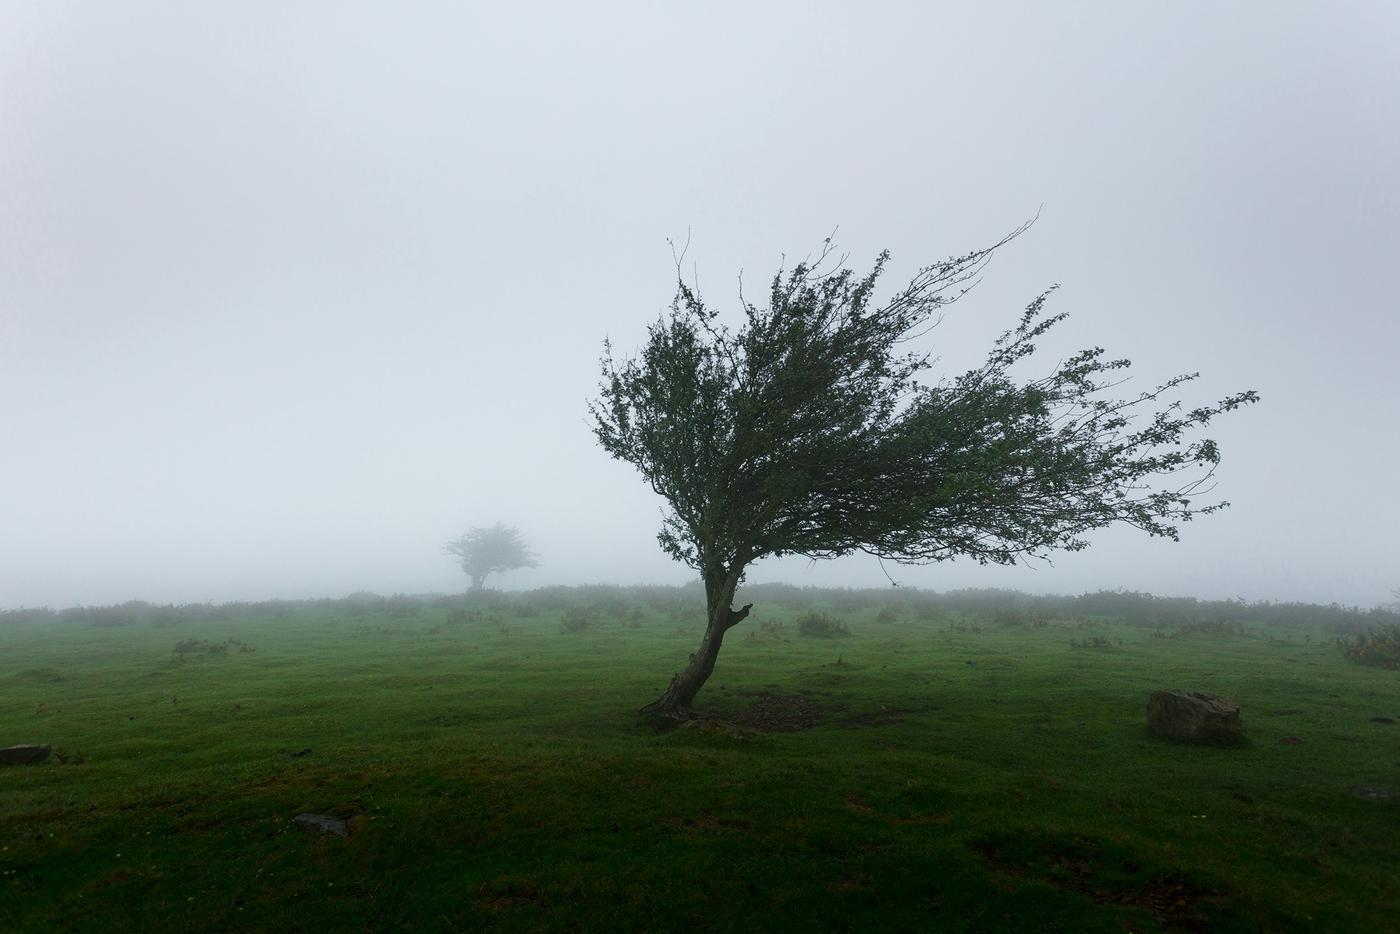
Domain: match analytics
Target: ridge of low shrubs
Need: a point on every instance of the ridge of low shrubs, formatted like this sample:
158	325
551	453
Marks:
1379	648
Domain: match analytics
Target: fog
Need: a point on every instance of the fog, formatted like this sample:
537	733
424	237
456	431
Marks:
290	295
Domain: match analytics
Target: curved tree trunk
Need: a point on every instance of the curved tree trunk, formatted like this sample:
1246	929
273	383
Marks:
478	581
719	597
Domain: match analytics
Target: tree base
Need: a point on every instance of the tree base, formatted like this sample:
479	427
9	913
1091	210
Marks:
668	706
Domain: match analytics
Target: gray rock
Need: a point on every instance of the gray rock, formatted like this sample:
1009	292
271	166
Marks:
321	823
1372	792
24	755
1194	717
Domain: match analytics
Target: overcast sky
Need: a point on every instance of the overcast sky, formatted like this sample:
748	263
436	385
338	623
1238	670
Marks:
290	294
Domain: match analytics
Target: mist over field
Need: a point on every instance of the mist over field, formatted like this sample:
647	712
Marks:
467	467
290	296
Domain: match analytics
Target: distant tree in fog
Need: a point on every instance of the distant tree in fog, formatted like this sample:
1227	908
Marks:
488	550
807	432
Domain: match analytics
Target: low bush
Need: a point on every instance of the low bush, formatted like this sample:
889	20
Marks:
1377	647
202	647
401	606
822	626
892	613
577	619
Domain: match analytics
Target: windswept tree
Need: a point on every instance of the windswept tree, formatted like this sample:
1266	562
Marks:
807	431
488	550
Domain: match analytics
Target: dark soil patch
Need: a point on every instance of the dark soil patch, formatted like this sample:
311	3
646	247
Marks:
771	712
1382	719
1098	870
508	893
705	823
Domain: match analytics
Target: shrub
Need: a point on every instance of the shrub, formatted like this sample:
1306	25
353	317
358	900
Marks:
822	626
401	606
27	615
892	613
576	619
202	646
1377	647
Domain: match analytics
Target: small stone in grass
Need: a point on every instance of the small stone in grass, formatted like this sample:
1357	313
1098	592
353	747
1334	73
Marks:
321	823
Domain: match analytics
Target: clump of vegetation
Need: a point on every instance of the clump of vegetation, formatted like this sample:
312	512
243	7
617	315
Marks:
1377	647
891	613
773	627
200	647
461	617
822	626
1016	617
577	619
1095	642
401	606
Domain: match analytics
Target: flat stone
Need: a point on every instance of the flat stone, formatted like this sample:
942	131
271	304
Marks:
322	823
25	754
1194	717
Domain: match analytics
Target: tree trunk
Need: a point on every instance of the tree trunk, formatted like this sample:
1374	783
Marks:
478	581
719	597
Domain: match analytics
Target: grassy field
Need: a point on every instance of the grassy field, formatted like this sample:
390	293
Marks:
932	770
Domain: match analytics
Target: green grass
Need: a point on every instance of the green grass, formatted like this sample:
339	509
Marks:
499	779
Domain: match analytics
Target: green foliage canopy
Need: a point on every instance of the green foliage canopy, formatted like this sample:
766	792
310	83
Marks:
489	549
807	430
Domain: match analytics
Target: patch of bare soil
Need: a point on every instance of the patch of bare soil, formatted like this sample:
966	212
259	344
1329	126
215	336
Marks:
705	823
1170	899
1077	864
507	893
773	712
